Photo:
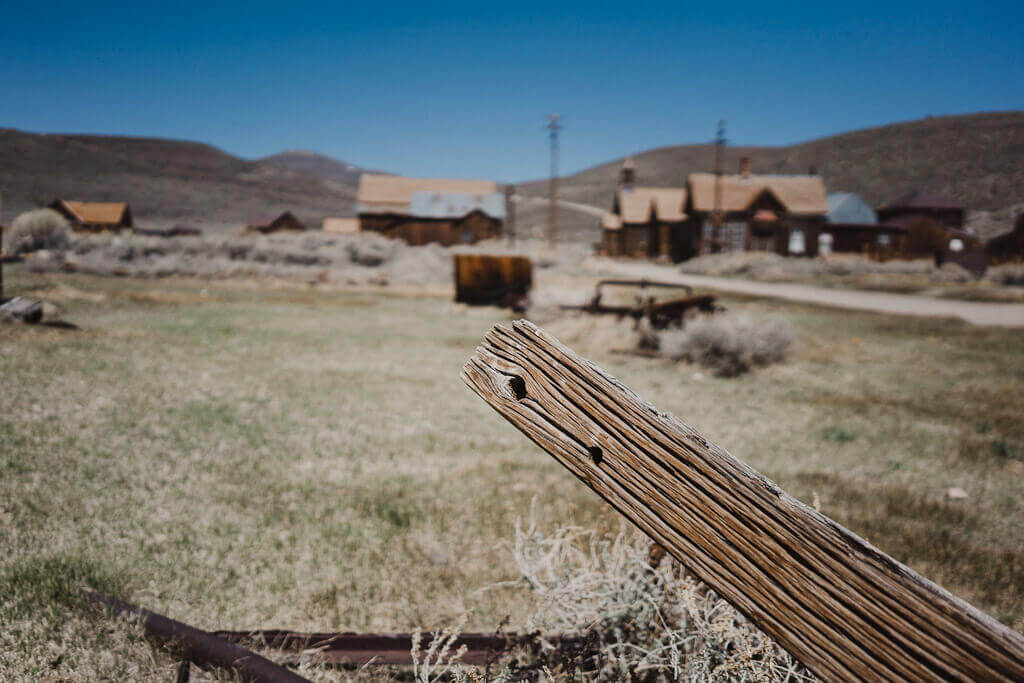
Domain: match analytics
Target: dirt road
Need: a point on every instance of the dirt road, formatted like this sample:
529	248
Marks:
976	313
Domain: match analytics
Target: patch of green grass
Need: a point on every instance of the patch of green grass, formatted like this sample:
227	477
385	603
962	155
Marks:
838	434
40	586
1004	449
266	455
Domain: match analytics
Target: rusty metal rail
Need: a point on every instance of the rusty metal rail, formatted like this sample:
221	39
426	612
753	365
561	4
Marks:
357	649
200	647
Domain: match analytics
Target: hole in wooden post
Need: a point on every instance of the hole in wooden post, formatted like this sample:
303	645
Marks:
518	387
595	454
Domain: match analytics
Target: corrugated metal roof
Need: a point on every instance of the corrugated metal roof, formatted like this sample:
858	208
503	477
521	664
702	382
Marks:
801	194
847	207
455	204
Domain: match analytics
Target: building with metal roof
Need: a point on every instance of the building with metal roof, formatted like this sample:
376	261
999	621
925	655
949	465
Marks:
422	210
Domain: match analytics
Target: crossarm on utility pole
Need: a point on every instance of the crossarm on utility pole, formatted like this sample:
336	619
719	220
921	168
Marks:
842	607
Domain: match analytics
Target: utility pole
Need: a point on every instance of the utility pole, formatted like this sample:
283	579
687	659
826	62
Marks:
510	214
554	126
718	215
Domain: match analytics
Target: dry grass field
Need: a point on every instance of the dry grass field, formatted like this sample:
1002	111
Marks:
238	454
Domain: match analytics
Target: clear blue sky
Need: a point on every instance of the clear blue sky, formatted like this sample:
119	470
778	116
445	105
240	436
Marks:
462	89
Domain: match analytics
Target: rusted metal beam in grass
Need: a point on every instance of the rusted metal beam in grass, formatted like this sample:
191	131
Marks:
200	647
842	607
358	649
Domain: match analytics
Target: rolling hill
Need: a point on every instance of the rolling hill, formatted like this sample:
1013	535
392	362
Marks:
975	159
318	165
165	181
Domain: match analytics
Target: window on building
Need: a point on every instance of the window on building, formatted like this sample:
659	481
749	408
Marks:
796	242
825	243
883	239
737	235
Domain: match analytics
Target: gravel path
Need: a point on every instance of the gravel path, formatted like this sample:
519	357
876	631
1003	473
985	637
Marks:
976	313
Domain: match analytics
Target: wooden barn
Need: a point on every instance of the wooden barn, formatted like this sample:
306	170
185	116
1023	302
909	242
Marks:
94	216
270	223
780	213
424	210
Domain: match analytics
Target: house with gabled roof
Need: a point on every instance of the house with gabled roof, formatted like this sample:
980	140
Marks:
754	212
643	220
423	210
270	223
94	216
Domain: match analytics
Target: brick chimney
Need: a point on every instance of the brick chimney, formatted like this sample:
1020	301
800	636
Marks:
627	175
745	167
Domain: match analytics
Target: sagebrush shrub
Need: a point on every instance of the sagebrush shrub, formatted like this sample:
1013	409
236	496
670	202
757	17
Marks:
645	619
38	229
728	345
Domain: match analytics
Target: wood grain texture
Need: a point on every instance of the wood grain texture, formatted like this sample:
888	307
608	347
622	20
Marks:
841	606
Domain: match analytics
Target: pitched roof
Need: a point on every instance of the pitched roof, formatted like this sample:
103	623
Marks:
921	200
268	221
801	194
609	221
848	207
95	212
341	226
635	204
392	194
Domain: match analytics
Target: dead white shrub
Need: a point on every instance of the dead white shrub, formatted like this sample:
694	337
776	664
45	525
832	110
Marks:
36	230
648	620
728	345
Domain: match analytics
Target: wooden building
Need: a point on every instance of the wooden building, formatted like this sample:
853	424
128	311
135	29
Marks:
931	224
1008	247
269	223
423	210
853	227
94	216
780	213
915	206
644	221
341	226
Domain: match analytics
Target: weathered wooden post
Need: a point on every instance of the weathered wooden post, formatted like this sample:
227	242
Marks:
841	606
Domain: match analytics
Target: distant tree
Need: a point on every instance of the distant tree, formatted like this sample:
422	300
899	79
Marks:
38	229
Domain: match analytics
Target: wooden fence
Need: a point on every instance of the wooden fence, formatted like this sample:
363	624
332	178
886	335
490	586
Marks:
842	607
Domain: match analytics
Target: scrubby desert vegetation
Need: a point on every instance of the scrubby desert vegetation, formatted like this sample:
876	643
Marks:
39	229
241	454
849	270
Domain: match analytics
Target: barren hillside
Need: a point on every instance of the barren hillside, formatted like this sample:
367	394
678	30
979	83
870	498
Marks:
973	159
165	181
